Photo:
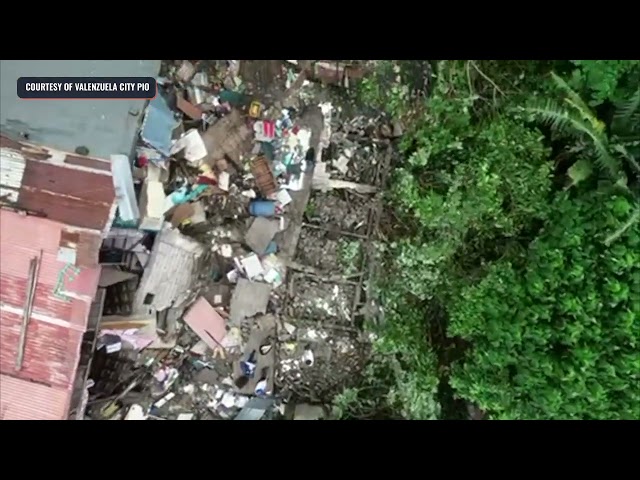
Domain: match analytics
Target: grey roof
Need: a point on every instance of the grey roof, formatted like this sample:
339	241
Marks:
104	127
171	271
249	298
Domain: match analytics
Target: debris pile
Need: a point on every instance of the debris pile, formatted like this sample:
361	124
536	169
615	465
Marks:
217	304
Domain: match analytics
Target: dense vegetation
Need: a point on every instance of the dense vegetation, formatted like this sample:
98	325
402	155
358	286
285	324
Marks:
514	247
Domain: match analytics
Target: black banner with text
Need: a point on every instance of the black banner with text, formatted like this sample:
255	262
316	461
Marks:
59	88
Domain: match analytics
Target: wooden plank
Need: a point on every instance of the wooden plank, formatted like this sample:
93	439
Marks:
34	270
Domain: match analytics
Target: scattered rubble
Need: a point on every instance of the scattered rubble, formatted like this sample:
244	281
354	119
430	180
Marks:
224	292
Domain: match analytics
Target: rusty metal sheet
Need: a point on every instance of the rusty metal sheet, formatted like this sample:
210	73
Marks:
54	334
68	191
188	108
51	353
88	249
71	189
88	162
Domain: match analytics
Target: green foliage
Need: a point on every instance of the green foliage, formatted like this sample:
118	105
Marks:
578	122
625	129
310	209
413	393
540	283
349	254
559	338
401	380
392	87
603	80
466	186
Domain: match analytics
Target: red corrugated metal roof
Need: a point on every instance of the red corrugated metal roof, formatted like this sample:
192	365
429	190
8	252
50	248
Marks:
75	201
77	191
49	358
60	308
44	403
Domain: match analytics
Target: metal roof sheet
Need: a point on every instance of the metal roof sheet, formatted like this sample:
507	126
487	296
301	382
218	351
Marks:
74	190
170	272
44	403
104	127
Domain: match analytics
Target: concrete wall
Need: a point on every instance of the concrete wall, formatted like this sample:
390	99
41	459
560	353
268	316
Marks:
105	127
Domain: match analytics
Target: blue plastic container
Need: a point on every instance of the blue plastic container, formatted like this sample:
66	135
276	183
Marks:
262	208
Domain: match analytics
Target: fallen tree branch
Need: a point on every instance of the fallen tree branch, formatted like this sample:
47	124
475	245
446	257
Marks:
486	77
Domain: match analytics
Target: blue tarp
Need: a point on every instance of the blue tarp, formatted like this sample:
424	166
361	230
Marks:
159	123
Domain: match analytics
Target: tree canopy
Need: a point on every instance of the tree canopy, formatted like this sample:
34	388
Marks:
514	261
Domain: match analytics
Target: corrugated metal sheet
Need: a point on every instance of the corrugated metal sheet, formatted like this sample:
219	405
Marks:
51	352
44	403
70	203
12	165
123	183
170	272
80	196
61	307
22	238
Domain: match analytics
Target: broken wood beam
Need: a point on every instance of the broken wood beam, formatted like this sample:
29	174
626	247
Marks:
324	184
32	283
341	232
358	187
314	272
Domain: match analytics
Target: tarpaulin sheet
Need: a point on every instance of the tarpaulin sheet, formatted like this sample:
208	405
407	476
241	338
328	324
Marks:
158	125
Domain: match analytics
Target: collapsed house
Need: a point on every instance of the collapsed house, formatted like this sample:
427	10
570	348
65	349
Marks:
213	299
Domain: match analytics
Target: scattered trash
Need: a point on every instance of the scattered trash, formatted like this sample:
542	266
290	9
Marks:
111	343
223	181
252	266
248	366
136	412
283	198
191	145
194	270
161	403
255	109
262	208
307	357
165	378
186	71
263	175
152	201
